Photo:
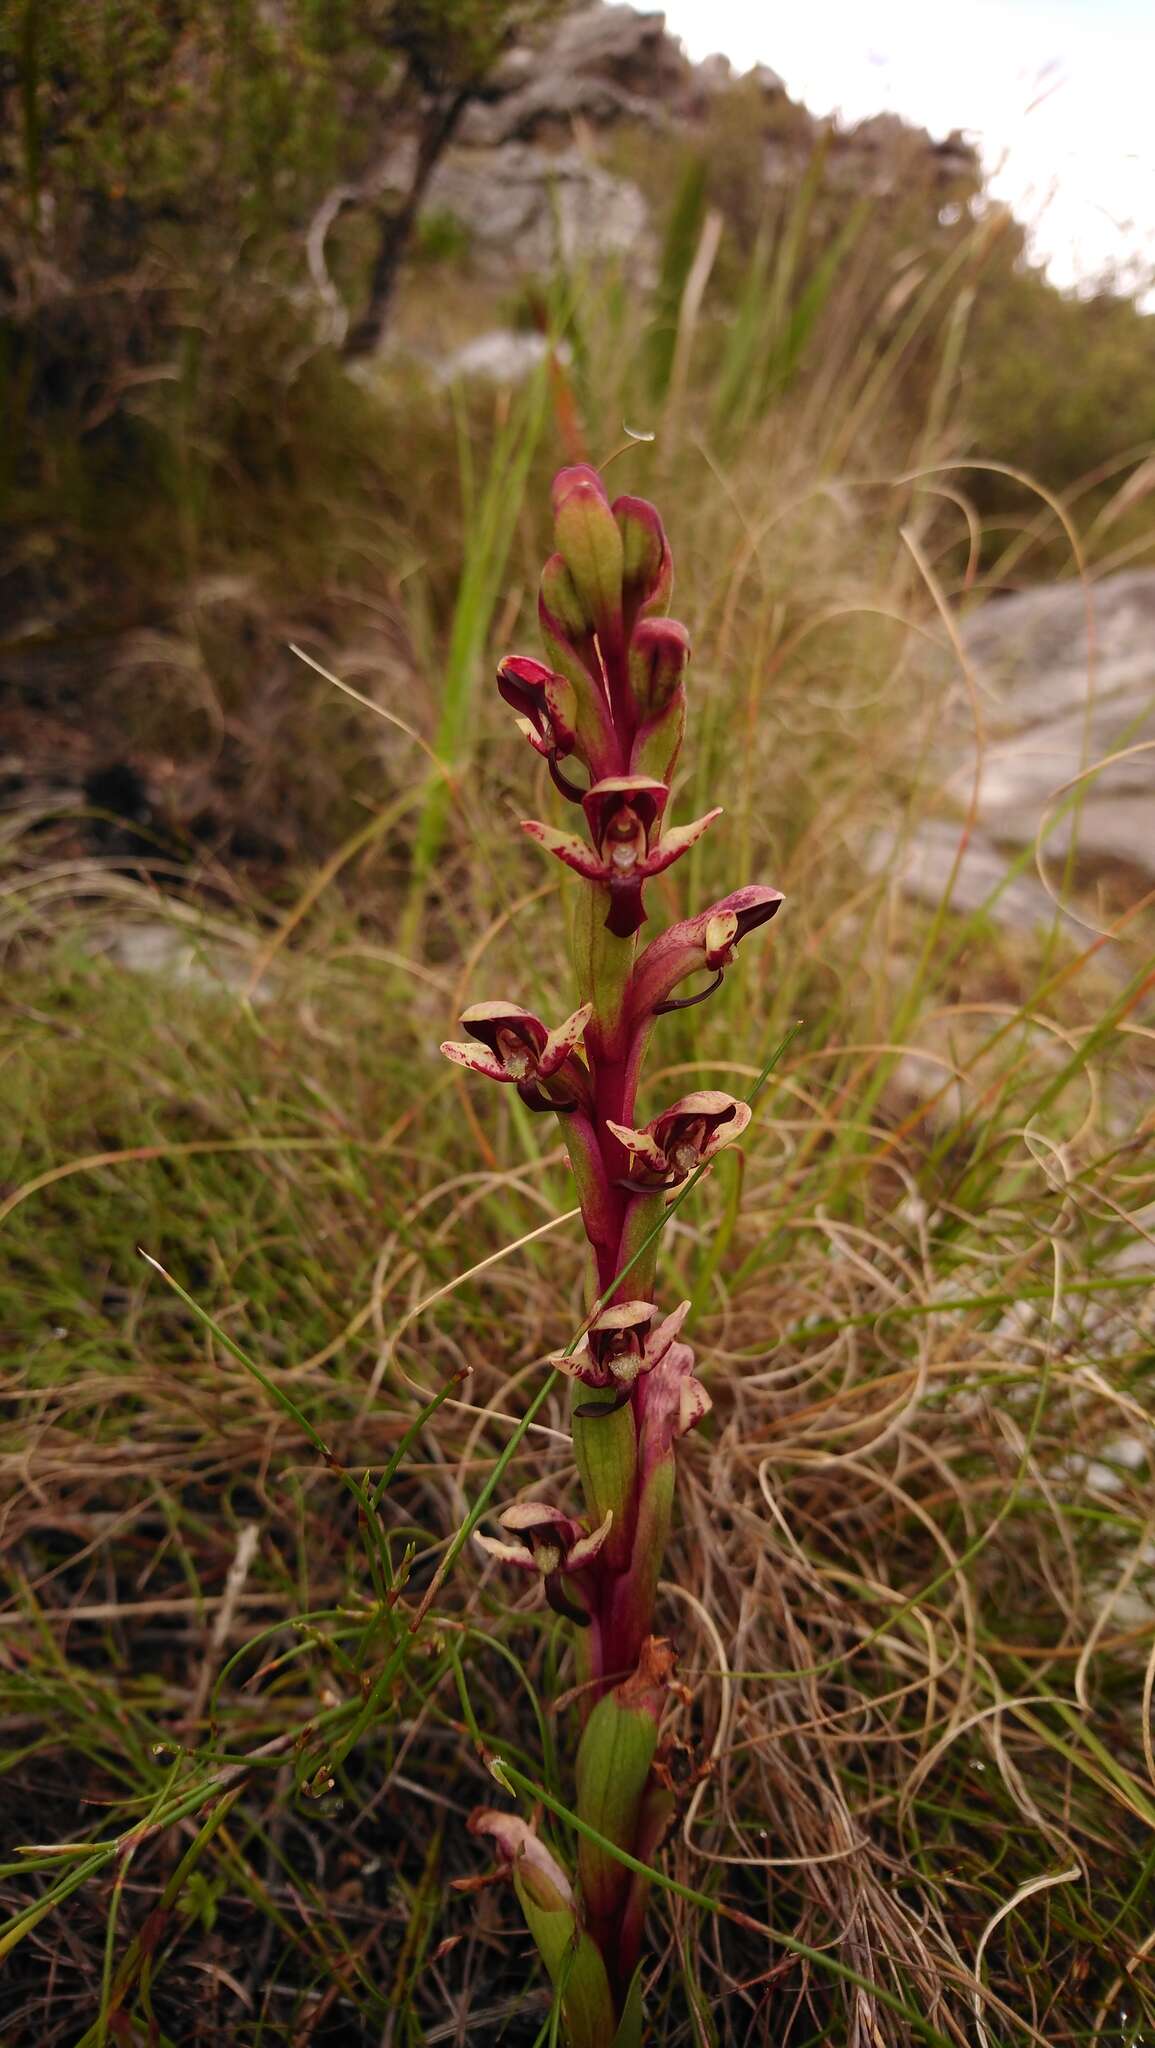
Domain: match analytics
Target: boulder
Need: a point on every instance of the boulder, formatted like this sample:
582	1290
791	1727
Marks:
601	64
527	208
1066	675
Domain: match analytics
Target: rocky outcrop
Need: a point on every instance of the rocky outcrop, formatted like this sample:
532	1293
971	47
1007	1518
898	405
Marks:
527	208
524	179
601	64
1065	678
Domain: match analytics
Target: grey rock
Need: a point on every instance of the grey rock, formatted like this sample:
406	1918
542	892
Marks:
1066	677
503	356
601	64
527	209
176	951
924	867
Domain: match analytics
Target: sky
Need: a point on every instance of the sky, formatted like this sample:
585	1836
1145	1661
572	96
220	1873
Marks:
1059	96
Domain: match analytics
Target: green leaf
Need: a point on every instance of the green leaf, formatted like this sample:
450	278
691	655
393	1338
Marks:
629	2034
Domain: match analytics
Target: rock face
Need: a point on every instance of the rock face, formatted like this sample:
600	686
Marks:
528	197
1068	677
523	175
601	64
527	208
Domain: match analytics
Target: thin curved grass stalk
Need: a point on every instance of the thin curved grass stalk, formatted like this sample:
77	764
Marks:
608	714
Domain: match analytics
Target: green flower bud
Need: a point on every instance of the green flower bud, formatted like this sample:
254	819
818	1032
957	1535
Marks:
588	539
613	1767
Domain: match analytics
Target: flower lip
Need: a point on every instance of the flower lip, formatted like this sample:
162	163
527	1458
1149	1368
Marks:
627	810
514	1036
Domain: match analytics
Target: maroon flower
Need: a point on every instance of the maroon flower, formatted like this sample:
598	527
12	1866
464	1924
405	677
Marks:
659	652
688	1134
545	707
624	814
550	1543
515	1046
624	1342
705	941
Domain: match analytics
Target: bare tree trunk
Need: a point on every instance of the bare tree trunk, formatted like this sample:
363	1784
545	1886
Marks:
367	334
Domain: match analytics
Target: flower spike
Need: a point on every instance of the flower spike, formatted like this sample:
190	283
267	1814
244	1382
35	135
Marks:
611	702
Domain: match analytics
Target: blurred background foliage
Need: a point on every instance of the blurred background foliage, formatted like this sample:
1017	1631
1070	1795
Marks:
212	221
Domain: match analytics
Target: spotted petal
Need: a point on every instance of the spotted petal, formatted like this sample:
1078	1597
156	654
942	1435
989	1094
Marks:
562	1042
478	1057
660	1339
506	1553
568	847
639	1145
677	841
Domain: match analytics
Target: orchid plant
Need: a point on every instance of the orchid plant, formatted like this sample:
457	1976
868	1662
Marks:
608	715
